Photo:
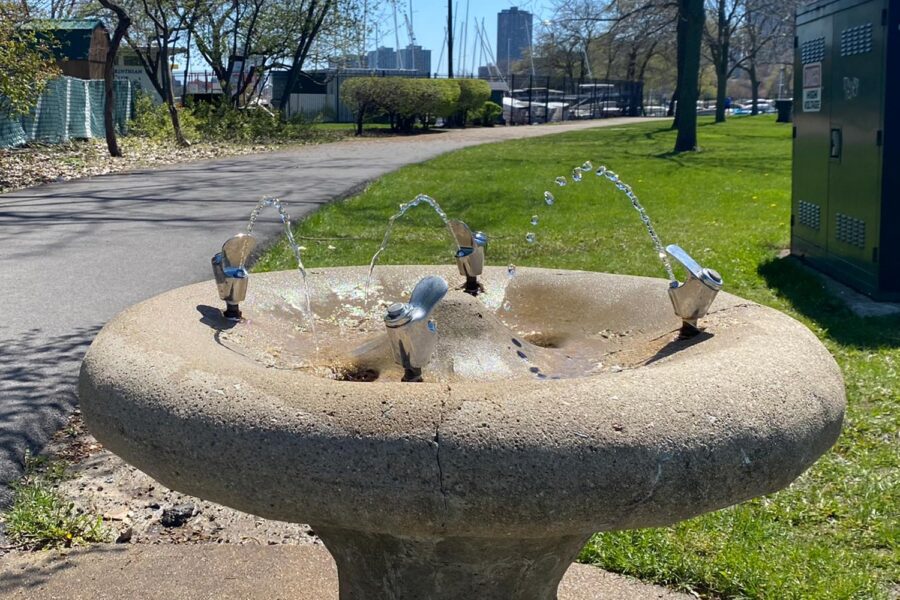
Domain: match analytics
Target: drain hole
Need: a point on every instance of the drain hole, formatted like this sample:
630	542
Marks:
544	340
363	374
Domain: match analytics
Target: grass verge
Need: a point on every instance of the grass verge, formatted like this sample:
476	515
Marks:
834	532
41	518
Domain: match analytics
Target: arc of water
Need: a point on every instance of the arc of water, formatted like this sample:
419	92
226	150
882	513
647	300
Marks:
623	187
295	248
404	208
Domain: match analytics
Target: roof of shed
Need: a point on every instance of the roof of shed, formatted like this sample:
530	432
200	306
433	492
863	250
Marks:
73	36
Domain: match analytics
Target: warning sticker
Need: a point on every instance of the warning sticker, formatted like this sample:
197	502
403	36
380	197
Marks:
812	75
812	99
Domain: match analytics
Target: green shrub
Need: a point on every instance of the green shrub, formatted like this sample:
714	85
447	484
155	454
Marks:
223	122
152	120
437	98
404	100
361	96
217	122
489	113
473	93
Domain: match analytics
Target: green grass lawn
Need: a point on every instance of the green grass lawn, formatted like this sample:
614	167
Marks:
832	534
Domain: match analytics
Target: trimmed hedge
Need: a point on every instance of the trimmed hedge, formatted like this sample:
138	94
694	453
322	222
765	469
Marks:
405	101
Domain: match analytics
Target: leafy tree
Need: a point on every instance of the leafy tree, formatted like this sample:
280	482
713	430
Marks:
26	60
360	96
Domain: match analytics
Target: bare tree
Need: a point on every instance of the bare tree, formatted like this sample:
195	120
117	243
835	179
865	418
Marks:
162	22
227	33
123	22
766	38
726	17
313	14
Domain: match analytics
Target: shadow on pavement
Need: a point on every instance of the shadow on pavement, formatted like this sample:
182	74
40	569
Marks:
37	392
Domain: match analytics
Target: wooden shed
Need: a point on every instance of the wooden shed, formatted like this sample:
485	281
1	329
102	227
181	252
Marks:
80	45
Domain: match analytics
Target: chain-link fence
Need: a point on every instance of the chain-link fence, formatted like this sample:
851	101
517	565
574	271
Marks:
68	109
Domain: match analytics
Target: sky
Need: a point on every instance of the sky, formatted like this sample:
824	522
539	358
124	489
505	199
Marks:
430	19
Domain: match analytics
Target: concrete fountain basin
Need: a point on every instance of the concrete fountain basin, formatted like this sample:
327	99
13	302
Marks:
558	404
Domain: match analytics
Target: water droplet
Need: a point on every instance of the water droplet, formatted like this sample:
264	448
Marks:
576	174
549	199
511	270
534	219
587	166
601	171
529	237
561	181
507	306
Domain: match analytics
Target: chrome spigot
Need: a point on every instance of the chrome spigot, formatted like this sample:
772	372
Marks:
470	256
411	333
691	299
231	276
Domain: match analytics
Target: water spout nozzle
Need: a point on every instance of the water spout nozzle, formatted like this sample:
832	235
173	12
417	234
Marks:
231	276
692	299
411	333
470	254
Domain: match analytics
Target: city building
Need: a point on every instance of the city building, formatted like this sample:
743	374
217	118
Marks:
417	59
382	58
514	28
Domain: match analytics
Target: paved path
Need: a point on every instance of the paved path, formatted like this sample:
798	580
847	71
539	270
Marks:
74	254
228	572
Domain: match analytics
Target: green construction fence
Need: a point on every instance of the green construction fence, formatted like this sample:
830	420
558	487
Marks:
69	108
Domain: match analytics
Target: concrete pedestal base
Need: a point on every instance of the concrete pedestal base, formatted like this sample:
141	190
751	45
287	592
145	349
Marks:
386	567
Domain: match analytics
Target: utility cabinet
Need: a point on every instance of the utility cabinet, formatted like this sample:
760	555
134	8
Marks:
845	211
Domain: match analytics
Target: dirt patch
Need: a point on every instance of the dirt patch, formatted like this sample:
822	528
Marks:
139	510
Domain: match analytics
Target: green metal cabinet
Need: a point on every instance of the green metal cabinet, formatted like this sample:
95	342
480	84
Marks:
846	200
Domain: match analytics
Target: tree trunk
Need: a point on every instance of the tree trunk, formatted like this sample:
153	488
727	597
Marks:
721	90
170	98
187	62
754	88
691	18
315	16
123	22
679	66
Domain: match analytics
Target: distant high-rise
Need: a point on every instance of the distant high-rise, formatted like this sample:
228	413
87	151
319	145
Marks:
413	58
417	59
513	35
382	58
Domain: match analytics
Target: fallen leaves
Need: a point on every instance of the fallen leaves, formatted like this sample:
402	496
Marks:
38	164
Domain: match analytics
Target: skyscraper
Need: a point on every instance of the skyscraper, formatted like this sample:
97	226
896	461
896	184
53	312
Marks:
417	59
513	35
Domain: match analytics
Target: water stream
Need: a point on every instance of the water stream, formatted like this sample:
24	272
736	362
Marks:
295	248
623	187
404	208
